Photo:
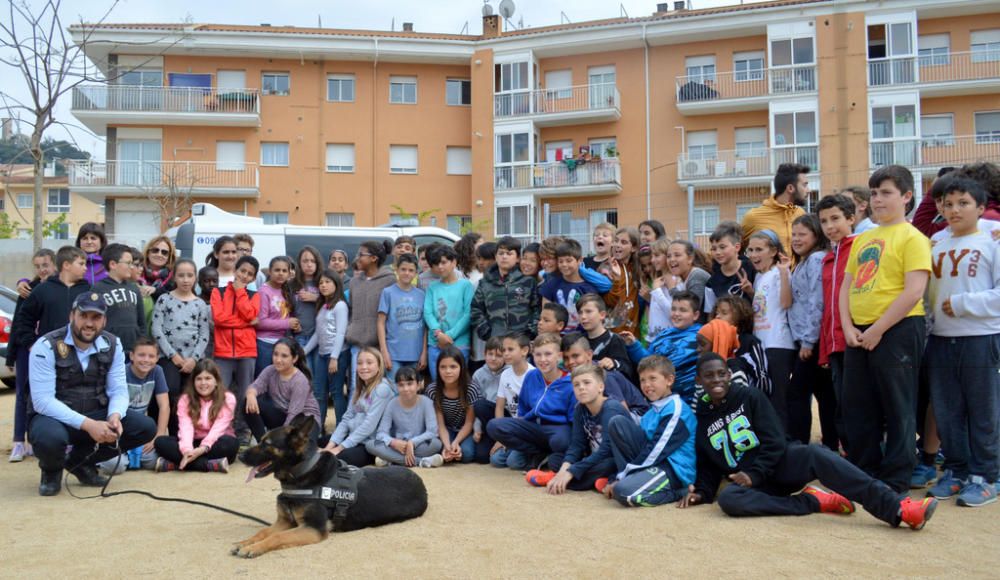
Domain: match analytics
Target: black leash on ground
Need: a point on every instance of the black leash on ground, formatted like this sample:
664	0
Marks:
104	490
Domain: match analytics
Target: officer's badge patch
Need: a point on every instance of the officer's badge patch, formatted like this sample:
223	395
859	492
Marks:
63	349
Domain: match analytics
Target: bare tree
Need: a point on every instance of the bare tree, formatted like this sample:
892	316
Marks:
37	45
173	192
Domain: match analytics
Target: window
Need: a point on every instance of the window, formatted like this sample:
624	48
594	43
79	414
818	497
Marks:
795	138
511	77
274	83
701	145
602	86
230	80
742	210
458	92
457	223
230	155
792	51
341	220
403	159
512	148
403	90
558	150
987	128
748	66
937	130
933	49
272	218
513	220
274	154
751	142
600	216
459	160
3	203
58	201
706	218
894	135
61	232
142	78
558	83
25	200
340	88
700	69
340	157
602	146
985	45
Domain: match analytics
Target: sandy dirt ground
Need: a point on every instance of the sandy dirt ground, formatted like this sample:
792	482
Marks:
482	522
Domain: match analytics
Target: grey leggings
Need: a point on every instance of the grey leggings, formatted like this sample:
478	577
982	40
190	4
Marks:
421	450
237	374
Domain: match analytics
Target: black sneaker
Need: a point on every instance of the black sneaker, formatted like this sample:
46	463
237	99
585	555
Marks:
88	475
51	483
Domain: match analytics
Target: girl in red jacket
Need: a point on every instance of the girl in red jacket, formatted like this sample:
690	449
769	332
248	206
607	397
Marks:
234	311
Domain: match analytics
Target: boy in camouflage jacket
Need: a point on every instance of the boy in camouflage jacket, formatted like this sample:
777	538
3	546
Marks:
506	301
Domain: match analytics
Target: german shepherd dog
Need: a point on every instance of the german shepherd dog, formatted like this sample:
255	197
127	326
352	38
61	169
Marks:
384	495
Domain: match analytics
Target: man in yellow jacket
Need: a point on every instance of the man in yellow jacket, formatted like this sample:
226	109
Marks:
777	213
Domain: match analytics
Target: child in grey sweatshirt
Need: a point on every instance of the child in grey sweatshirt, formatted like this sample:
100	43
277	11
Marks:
407	434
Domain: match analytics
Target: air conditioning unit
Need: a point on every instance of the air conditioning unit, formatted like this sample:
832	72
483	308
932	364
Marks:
695	168
720	168
741	167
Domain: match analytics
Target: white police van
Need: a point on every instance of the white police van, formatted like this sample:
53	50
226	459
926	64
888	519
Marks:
194	238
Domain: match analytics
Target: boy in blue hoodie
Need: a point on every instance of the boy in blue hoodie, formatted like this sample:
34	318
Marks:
654	459
544	409
678	344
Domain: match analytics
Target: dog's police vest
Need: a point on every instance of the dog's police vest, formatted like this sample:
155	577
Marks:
338	493
84	391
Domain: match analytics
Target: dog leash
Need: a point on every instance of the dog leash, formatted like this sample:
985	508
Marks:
104	489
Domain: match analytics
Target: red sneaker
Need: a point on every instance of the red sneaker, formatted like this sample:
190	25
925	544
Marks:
538	477
916	512
830	502
600	484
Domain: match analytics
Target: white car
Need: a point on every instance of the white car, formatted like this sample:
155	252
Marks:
8	300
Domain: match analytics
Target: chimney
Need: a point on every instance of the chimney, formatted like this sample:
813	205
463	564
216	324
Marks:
8	128
407	27
662	7
680	4
491	26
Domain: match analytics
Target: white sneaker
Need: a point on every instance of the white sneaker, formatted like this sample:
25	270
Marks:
433	461
379	462
18	452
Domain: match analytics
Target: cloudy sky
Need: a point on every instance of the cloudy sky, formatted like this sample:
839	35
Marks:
448	16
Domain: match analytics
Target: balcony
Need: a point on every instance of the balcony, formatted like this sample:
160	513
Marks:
100	105
940	75
743	167
599	103
558	179
932	153
98	179
750	90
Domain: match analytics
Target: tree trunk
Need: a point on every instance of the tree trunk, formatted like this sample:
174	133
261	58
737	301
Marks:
38	157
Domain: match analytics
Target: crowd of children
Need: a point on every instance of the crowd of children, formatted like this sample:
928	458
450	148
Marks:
648	371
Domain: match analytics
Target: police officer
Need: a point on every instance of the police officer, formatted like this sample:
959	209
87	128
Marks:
79	397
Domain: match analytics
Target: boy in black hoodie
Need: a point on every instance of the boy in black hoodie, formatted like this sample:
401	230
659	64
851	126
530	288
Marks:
739	437
126	315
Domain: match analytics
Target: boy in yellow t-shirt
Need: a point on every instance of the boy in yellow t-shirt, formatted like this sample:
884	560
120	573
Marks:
882	313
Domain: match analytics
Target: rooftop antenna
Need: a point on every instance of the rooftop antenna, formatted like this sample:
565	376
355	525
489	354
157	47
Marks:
506	10
563	19
393	25
623	12
465	28
319	21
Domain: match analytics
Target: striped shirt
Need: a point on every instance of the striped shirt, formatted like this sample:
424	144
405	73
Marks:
451	409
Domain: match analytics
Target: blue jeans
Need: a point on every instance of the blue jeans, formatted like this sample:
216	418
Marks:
511	458
265	351
433	353
532	439
325	383
965	392
468	446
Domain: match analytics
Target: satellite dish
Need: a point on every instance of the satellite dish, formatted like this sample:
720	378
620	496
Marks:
487	10
507	8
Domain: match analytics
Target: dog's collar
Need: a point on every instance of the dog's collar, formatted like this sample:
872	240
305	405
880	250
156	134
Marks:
304	466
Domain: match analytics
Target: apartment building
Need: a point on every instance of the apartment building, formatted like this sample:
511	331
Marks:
17	201
681	116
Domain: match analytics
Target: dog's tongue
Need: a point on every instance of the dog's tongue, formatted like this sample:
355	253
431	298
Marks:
252	474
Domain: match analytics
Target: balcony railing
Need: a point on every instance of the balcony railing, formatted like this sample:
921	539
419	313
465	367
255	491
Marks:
745	164
165	99
932	153
556	175
154	176
576	99
746	84
935	68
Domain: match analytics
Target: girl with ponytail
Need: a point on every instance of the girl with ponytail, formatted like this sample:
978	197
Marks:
282	391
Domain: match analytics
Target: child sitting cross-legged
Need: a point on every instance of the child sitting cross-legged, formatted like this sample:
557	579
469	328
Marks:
654	459
515	355
408	432
740	438
588	462
679	343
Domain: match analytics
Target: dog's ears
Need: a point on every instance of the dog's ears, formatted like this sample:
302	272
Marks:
303	425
